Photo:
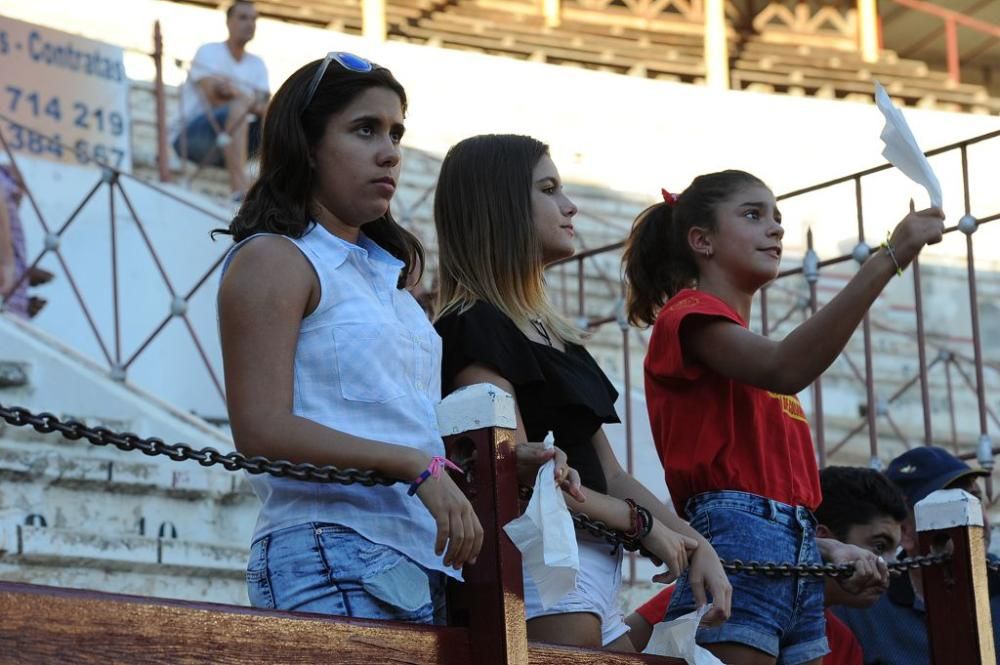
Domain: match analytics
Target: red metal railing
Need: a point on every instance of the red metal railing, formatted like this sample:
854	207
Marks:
952	19
118	359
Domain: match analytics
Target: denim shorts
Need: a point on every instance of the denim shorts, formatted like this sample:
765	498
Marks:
200	137
331	569
781	616
597	584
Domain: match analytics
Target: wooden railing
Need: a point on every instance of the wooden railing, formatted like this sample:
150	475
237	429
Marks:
487	625
486	613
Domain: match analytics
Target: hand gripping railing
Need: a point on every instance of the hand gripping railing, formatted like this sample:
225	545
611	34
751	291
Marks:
486	613
73	430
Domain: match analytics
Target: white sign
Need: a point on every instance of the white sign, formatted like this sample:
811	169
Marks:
63	97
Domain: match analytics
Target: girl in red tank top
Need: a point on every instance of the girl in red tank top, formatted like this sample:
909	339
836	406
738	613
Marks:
730	432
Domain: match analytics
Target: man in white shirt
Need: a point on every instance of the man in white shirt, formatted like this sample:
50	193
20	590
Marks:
222	101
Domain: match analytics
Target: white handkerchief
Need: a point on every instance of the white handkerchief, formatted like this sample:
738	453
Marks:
676	639
901	148
547	539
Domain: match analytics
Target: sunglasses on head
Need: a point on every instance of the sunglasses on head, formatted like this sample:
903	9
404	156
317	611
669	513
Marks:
349	61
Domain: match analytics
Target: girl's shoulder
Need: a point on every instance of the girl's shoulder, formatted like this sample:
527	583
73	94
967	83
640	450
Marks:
265	253
690	302
481	318
481	333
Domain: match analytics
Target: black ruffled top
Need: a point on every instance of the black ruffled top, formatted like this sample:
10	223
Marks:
565	393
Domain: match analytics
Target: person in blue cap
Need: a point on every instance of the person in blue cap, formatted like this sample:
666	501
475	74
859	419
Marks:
894	630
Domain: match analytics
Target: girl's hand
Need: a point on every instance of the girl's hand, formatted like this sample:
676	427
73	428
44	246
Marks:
917	229
671	548
707	575
457	524
530	456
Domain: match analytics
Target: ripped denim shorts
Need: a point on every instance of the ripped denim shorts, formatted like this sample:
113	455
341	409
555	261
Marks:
331	569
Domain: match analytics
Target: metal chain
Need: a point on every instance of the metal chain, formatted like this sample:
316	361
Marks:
101	436
843	570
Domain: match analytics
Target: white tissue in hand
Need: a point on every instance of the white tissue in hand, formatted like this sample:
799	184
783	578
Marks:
677	639
901	148
547	539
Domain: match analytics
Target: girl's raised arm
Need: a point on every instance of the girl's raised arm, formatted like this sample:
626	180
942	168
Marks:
791	364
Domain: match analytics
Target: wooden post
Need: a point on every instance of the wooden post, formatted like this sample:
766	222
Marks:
552	11
868	37
716	45
41	624
478	424
162	159
373	19
959	625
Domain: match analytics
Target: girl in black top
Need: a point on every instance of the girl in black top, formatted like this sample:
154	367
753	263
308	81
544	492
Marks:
501	217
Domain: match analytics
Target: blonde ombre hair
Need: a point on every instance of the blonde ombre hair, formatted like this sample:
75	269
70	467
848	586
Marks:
488	247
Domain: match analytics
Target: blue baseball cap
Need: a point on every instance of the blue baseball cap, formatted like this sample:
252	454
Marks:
926	469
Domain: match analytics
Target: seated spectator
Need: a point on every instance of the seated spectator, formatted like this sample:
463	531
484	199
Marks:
894	630
223	100
860	507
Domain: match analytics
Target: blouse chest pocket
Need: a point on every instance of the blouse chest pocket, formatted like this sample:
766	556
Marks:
372	361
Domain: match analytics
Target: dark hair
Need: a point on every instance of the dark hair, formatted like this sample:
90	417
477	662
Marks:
855	495
232	6
278	201
657	260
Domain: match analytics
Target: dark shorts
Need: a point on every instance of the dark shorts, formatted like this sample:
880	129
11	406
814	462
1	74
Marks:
781	616
200	138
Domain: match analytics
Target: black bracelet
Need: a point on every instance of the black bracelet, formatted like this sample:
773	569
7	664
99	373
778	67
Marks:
647	521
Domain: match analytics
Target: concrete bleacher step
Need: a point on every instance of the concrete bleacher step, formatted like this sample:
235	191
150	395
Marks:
121	521
107	508
43	545
73	514
842	84
74	482
73	469
665	45
159	567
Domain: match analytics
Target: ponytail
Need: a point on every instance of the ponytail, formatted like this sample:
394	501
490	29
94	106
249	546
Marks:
657	263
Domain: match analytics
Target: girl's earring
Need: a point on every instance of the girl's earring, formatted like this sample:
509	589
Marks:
708	253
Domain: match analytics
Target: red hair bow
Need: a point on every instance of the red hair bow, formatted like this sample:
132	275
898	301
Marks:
668	198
